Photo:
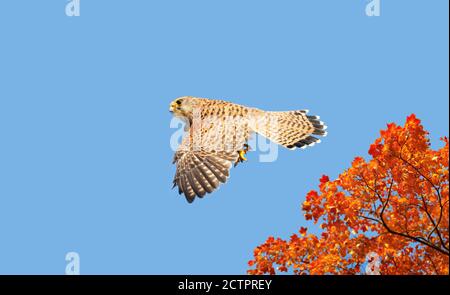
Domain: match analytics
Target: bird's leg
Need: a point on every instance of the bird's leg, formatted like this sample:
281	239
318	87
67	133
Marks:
242	154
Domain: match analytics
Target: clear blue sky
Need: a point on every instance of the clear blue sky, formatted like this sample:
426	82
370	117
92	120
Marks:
85	161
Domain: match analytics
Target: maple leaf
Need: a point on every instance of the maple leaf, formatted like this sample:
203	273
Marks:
324	179
303	230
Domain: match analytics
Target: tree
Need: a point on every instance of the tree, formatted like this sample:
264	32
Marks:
394	205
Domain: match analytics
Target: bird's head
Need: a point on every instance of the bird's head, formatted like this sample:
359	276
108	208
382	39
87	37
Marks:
182	107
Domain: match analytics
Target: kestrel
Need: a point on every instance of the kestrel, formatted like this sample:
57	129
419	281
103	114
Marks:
217	135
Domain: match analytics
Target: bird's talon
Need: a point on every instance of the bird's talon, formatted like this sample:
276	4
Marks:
241	154
242	157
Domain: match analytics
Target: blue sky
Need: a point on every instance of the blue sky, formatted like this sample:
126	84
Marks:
85	160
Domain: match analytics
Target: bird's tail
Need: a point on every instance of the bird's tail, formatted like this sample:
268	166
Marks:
290	129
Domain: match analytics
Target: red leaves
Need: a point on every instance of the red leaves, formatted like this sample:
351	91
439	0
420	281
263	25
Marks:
324	179
306	206
396	205
312	195
303	231
375	149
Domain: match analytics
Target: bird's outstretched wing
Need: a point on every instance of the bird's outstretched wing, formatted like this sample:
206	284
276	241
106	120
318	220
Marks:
206	154
200	172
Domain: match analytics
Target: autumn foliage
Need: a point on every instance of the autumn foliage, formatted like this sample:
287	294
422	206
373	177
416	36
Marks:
394	205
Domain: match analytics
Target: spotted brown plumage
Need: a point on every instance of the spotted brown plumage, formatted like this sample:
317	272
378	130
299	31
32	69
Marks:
218	130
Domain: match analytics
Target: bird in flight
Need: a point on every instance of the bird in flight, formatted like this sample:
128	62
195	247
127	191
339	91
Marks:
217	135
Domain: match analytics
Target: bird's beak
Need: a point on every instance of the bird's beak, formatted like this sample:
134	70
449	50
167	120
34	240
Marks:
171	107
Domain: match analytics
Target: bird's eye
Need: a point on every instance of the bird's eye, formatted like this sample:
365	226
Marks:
178	102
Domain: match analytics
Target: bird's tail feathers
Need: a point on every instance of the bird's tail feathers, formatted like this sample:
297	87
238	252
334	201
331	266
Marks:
291	129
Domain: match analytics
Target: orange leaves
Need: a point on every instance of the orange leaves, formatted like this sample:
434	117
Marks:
376	148
306	206
412	120
395	204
